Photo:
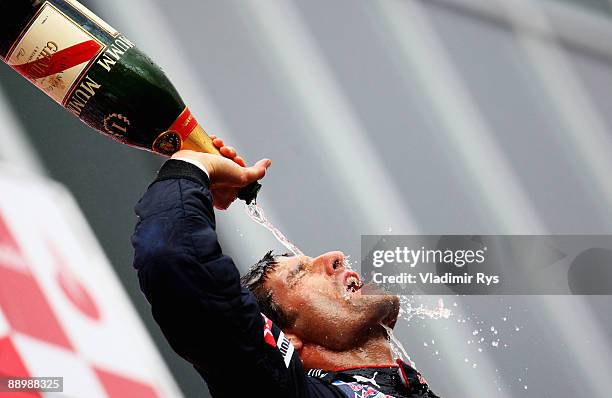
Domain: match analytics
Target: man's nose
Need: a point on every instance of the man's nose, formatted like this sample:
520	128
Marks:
329	262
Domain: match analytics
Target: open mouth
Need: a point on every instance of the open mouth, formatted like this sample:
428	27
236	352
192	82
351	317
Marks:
352	282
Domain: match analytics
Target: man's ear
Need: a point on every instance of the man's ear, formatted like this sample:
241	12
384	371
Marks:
295	340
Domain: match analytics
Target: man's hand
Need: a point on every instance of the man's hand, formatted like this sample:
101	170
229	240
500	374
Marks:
228	174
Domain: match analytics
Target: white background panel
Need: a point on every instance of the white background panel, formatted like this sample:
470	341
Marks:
4	328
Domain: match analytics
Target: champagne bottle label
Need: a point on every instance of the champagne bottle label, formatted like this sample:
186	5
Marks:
54	52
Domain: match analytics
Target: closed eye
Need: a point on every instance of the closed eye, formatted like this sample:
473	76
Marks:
296	274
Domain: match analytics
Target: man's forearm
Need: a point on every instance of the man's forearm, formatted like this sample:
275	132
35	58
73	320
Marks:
182	271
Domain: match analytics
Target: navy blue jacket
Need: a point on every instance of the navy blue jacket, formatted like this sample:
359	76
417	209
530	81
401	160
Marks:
213	322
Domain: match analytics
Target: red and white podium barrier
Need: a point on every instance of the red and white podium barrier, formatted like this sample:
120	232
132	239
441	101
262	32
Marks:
63	311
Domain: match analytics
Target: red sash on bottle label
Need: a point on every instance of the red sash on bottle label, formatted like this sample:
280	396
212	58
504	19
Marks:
184	124
60	61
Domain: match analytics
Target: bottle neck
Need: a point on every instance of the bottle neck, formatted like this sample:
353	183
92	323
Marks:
199	141
184	133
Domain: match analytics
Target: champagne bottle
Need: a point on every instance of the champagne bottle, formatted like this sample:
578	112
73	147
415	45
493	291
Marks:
100	76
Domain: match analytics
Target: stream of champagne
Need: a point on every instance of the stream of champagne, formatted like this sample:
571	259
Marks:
257	214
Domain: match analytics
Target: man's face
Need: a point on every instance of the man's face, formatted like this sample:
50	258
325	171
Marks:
328	303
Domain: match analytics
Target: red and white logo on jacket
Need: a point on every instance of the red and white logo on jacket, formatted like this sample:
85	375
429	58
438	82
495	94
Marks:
282	343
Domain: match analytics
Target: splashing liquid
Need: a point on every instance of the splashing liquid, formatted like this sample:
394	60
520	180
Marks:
409	310
257	214
397	349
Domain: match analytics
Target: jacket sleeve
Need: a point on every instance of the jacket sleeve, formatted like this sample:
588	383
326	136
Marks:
196	297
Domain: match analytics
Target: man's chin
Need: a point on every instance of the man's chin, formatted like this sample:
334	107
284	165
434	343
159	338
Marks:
385	306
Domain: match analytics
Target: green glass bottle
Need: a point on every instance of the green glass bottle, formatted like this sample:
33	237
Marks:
100	76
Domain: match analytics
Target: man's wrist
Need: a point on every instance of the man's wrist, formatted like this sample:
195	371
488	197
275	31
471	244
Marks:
175	169
193	162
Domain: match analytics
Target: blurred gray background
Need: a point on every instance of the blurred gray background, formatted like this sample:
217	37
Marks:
381	116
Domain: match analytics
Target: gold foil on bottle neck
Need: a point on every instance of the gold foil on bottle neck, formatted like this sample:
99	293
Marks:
199	141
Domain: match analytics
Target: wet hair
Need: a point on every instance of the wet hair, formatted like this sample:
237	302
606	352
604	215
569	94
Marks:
255	279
